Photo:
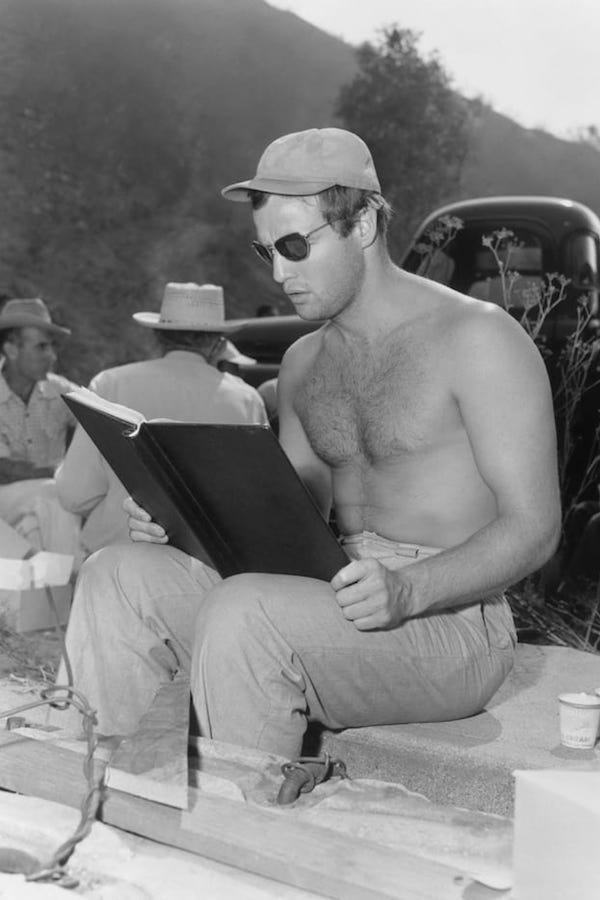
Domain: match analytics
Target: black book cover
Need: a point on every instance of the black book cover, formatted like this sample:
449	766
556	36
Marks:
226	494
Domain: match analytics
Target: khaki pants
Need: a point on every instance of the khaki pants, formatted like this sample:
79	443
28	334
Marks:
33	509
266	653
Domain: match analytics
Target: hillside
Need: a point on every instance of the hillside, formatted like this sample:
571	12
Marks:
508	159
120	121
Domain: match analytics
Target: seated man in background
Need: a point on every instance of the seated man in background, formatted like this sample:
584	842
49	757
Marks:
182	383
35	425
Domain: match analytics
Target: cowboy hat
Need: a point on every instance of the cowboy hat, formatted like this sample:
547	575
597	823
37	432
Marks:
188	307
25	313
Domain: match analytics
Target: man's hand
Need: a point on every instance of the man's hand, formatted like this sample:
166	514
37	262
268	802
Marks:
141	526
371	596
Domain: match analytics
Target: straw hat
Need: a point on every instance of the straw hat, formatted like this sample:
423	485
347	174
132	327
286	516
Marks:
25	313
188	307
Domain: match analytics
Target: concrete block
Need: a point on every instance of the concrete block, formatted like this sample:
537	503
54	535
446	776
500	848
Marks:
557	835
470	762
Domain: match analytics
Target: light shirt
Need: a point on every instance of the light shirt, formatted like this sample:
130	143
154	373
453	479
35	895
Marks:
180	385
35	431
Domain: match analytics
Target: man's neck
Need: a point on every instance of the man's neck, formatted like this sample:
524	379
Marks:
384	301
18	384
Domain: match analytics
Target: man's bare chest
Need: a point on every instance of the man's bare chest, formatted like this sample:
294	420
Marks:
373	406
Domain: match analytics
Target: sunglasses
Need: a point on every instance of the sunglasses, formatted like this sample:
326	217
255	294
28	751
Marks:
294	247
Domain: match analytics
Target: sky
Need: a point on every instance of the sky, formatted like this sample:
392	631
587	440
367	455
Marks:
537	61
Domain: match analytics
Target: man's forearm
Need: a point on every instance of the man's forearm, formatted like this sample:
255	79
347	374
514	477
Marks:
22	470
495	557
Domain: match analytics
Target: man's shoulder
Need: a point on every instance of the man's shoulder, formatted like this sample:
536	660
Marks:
5	391
128	373
236	384
485	339
301	353
55	385
485	321
115	373
460	315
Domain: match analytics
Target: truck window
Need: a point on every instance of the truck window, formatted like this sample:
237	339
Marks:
581	260
513	275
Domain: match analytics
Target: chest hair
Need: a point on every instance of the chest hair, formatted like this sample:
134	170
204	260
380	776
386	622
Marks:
368	404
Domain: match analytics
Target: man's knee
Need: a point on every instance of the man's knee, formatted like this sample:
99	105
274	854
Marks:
126	564
247	610
110	574
239	614
109	561
230	609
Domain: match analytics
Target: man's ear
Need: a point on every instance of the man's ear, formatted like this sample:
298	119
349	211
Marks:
366	226
9	350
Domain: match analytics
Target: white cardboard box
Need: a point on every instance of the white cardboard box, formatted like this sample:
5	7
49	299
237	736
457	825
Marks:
557	835
29	610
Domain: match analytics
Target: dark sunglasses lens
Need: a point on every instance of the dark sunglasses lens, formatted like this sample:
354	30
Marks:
262	251
293	246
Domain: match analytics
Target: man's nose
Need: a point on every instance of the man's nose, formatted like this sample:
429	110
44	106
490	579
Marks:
280	267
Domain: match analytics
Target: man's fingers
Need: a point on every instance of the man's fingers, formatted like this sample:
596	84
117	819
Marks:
367	615
140	524
358	608
136	535
353	572
367	624
354	593
137	512
150	530
365	595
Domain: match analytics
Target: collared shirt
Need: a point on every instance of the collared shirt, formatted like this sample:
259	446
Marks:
35	431
180	385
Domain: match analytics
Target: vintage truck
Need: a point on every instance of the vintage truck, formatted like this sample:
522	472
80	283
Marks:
550	235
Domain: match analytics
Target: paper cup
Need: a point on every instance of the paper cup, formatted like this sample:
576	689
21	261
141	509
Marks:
579	719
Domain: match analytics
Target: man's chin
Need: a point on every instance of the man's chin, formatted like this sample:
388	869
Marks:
309	316
306	310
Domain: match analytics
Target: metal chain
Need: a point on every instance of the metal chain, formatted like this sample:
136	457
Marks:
61	697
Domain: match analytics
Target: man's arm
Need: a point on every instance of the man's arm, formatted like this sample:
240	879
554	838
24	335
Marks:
505	401
315	474
22	470
503	395
81	479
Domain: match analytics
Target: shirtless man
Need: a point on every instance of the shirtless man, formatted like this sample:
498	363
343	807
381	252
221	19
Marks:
426	418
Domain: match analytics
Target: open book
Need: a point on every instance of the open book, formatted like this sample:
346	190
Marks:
226	494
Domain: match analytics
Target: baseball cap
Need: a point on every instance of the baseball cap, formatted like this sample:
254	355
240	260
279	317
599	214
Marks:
308	162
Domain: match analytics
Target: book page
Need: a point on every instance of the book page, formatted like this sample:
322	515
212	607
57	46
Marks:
90	398
118	410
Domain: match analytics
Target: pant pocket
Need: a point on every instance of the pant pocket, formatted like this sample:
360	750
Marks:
498	623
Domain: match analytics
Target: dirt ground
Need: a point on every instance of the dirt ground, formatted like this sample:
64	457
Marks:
33	655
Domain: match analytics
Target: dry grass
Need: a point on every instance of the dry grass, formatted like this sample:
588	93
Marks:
567	619
34	656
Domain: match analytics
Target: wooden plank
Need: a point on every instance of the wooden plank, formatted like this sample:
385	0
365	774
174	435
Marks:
153	762
255	840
